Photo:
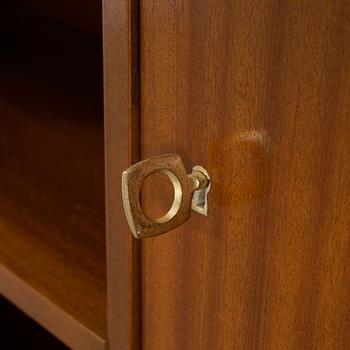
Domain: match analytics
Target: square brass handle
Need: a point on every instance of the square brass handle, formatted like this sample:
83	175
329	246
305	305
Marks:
190	192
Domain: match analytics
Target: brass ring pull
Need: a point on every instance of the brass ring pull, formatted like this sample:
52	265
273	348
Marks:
190	191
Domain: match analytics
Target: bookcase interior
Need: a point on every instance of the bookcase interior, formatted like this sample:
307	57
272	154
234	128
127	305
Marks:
52	216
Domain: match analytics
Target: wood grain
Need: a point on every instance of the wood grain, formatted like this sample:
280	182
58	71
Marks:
121	147
258	92
52	229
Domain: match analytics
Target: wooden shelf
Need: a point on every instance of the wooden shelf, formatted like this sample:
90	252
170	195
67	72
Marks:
52	227
14	322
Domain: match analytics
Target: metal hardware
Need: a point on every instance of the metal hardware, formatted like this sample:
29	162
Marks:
190	192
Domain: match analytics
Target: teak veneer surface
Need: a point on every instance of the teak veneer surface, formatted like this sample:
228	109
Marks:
257	92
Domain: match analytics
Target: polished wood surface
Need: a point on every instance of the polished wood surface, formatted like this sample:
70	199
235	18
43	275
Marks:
258	92
52	232
121	149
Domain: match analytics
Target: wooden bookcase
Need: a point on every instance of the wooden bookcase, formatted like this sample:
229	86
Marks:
255	92
56	157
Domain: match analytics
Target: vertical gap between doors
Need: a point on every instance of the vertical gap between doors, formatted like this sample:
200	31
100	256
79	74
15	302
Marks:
135	77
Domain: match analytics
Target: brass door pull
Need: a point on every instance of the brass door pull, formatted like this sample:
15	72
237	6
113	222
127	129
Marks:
190	192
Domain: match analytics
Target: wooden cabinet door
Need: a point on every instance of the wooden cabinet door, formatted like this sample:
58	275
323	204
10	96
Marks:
257	92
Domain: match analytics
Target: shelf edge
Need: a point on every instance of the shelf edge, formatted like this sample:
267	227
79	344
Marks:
55	320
